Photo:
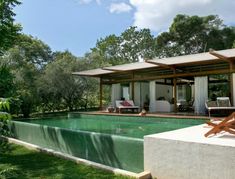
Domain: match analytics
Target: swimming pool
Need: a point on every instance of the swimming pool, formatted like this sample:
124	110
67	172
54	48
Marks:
115	141
129	126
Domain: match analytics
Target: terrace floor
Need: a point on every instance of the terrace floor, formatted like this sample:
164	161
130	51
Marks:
181	115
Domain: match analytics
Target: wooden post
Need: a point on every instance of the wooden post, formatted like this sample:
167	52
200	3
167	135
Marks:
175	91
101	93
133	88
231	82
175	94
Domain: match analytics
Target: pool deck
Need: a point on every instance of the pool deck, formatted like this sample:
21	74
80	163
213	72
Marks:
168	115
186	153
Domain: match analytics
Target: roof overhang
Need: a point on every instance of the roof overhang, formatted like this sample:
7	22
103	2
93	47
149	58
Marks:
213	62
93	73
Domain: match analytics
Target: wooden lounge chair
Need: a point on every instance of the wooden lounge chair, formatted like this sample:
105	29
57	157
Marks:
127	104
227	125
221	104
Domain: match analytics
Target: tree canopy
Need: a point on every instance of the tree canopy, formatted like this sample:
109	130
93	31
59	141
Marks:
130	46
57	87
8	30
194	34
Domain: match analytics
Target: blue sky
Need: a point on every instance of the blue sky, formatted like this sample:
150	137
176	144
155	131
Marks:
68	24
76	25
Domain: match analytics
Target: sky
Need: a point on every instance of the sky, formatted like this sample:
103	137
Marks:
76	25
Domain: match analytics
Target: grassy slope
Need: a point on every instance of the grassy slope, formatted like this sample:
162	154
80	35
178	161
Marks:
19	162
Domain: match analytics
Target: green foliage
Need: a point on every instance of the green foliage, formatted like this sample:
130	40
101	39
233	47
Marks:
58	88
4	104
27	102
194	34
130	46
26	60
4	116
28	52
33	51
234	44
6	81
11	172
19	162
8	30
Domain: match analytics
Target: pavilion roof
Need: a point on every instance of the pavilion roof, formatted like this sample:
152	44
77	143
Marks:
186	65
94	72
194	58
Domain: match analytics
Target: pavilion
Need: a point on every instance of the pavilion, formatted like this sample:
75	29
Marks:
186	78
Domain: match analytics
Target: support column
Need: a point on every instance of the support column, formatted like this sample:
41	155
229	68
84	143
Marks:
201	94
133	90
101	93
175	95
152	96
175	91
231	79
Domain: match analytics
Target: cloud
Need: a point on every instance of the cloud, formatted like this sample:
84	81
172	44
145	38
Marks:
158	14
89	1
119	7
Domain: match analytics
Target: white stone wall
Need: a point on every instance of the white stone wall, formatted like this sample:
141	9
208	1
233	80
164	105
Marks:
187	154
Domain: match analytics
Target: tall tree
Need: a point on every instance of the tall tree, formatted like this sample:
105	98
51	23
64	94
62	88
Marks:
30	50
8	30
26	60
194	34
59	85
131	46
6	81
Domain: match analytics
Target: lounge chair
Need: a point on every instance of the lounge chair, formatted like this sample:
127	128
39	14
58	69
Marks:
221	104
227	125
127	104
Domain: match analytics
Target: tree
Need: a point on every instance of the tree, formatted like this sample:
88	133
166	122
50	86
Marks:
6	81
4	116
194	34
131	46
137	44
59	85
26	60
8	30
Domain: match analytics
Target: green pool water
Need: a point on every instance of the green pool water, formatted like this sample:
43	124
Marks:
135	127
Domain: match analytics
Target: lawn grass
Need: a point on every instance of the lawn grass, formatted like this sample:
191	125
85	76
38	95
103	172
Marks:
18	162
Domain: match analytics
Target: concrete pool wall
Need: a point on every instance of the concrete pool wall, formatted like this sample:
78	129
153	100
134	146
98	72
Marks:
186	153
111	150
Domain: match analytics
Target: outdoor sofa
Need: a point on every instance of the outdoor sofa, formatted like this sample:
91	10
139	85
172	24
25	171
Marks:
126	105
222	104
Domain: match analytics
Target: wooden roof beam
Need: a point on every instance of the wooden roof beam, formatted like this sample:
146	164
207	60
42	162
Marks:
114	70
220	56
160	64
172	67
